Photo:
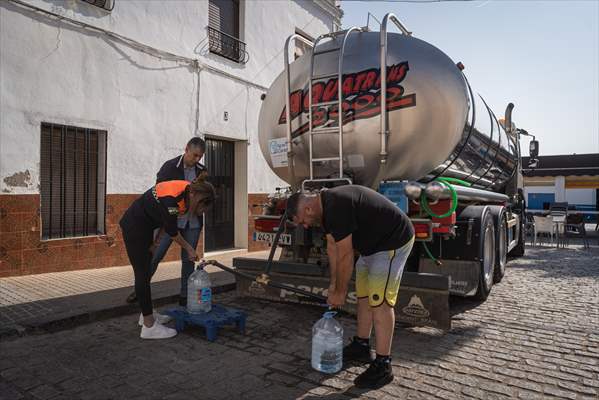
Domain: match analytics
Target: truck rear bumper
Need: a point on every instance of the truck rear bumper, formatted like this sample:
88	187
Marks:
423	298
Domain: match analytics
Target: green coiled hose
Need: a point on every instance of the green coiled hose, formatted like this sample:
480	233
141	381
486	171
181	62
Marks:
453	180
454	201
454	205
430	255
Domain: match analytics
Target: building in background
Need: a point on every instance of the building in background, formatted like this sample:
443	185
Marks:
97	94
571	178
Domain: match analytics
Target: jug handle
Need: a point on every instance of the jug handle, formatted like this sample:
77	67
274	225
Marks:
200	264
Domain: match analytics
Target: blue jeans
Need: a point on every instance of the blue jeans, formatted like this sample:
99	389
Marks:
191	236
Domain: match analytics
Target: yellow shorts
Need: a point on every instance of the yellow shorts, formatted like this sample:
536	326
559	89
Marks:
378	275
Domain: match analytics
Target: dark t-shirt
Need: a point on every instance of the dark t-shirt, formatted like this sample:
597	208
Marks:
374	221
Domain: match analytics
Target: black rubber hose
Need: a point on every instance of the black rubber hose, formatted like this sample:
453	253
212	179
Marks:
275	243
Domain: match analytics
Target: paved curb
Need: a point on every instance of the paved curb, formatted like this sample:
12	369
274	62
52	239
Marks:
99	310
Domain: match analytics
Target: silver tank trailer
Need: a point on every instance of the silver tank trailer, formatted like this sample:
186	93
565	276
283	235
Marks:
437	126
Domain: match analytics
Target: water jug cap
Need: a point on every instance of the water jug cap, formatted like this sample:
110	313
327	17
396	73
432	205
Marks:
329	314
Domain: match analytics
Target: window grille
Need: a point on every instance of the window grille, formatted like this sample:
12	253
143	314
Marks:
107	5
73	181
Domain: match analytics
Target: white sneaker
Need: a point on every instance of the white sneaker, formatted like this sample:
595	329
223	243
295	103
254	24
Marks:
161	318
157	331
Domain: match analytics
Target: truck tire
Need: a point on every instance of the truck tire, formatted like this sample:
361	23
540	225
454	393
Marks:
500	220
479	245
487	256
518	250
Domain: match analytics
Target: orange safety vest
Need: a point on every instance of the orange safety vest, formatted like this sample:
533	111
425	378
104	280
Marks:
174	189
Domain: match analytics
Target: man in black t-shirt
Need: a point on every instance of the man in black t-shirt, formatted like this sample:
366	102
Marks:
355	217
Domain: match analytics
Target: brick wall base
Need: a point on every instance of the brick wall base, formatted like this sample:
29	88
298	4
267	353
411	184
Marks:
254	200
22	252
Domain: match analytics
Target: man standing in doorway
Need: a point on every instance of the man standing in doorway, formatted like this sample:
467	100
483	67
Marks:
184	167
355	217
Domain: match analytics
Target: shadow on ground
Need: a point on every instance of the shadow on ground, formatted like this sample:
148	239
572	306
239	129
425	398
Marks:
66	312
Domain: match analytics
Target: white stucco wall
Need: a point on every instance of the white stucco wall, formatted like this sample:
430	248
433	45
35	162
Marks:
581	196
55	72
560	188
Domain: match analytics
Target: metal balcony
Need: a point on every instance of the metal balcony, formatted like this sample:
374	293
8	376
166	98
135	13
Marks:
107	5
227	46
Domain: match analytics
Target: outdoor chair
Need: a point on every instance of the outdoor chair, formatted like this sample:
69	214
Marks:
574	228
543	225
558	211
529	228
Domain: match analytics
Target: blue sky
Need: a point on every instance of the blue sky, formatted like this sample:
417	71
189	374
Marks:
541	55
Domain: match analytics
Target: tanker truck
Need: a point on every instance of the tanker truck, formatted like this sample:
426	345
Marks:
435	149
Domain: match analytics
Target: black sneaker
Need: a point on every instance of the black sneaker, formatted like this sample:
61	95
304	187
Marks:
357	351
378	374
132	298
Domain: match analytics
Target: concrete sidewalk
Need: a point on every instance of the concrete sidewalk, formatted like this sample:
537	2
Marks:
62	299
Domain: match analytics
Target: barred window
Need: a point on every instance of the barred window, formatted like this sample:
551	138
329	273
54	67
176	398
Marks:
73	181
223	15
223	30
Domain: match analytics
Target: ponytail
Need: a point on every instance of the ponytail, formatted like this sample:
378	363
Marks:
204	189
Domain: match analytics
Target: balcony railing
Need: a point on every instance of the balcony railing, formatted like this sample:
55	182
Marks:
227	46
107	5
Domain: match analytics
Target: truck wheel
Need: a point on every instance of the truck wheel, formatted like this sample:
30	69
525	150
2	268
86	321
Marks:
487	257
500	219
518	250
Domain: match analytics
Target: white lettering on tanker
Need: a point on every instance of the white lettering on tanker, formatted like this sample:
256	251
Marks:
351	296
278	152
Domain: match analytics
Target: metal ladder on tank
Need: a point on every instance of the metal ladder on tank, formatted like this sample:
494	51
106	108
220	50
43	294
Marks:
339	102
289	130
383	74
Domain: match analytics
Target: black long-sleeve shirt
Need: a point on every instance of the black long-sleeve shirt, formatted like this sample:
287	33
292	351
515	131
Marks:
157	207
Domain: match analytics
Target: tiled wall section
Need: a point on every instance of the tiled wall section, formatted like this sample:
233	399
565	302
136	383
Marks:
23	253
253	200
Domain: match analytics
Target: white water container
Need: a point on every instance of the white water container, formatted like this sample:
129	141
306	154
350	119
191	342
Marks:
327	344
199	292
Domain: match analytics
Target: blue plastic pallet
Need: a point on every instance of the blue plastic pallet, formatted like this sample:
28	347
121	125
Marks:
218	317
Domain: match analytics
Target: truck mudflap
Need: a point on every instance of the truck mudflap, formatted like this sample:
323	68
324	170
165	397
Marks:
462	274
423	298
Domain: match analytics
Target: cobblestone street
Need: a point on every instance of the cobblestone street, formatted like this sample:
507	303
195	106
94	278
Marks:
535	337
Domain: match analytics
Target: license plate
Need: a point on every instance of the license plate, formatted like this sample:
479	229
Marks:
270	237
